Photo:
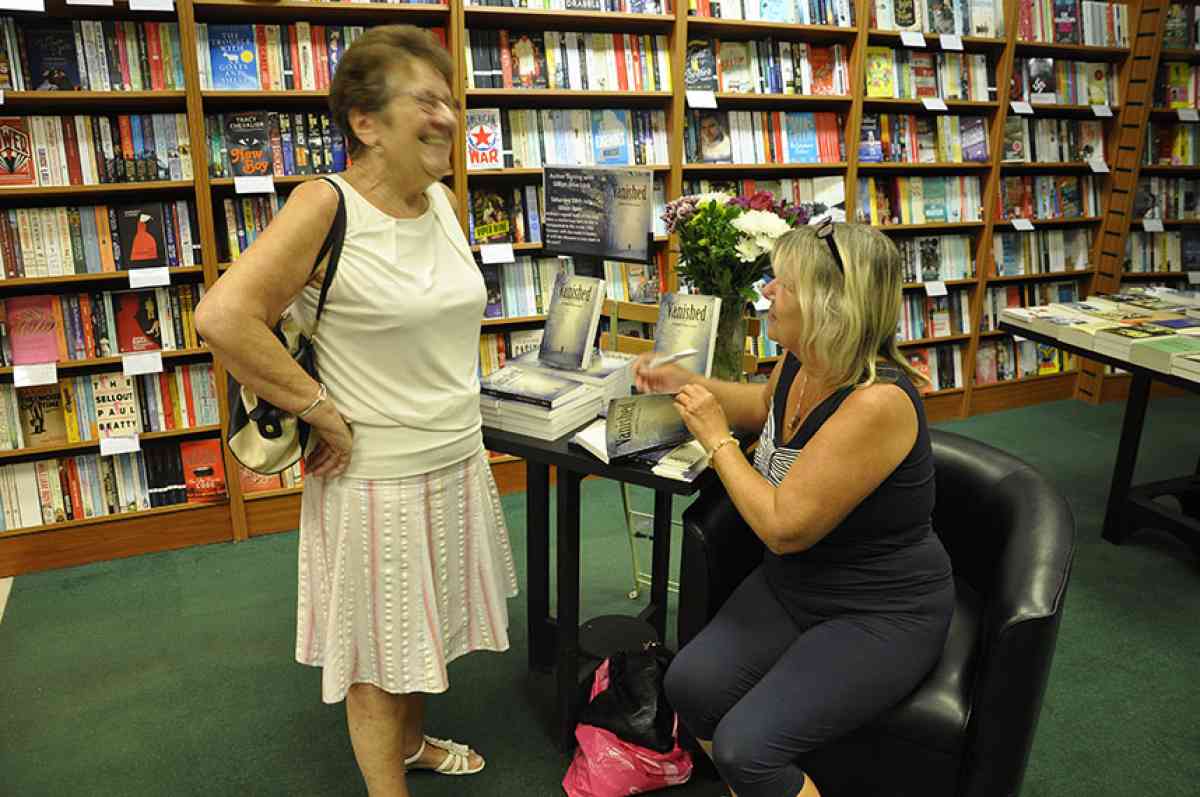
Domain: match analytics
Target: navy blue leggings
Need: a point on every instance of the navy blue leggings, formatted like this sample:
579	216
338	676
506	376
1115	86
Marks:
766	685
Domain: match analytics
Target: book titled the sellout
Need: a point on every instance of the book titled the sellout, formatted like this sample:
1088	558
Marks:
571	322
633	425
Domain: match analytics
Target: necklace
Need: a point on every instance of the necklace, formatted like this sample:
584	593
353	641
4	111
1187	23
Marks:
795	419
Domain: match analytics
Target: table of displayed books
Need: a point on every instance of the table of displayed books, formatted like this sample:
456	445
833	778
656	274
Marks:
570	406
1154	334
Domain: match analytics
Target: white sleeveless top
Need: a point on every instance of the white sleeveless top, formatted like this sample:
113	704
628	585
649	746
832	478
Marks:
398	342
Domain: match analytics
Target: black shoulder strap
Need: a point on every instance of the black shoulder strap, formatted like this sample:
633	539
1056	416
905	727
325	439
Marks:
333	246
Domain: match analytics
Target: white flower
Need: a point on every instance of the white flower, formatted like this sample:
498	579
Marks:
713	196
761	224
748	250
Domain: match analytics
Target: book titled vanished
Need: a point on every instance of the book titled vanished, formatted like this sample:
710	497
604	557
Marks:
571	322
530	387
633	425
601	212
688	321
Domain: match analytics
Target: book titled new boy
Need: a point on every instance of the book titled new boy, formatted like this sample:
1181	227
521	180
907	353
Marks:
571	322
688	321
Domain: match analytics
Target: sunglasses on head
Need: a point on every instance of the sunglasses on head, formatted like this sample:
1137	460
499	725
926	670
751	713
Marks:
825	232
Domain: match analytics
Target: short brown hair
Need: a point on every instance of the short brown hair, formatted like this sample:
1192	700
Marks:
361	80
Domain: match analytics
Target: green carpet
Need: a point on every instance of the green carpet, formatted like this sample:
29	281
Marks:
172	674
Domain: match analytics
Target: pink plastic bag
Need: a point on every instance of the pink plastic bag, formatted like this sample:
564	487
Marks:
606	766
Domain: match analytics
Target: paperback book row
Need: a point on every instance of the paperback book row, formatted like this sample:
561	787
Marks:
920	200
1041	251
1048	196
839	13
258	482
163	473
1156	328
1167	198
912	138
300	56
90	55
532	138
1182	27
85	326
91	150
279	143
942	365
1005	360
91	239
928	258
763	137
1000	297
616	6
495	348
962	17
91	407
245	219
817	195
1064	82
767	66
762	345
934	316
913	74
513	214
1170	144
1169	251
521	288
1052	140
578	61
1178	85
1073	22
635	282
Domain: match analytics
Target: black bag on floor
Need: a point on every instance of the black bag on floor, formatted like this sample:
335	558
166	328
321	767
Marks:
634	706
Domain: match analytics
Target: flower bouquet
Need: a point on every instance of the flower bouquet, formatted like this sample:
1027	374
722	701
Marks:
725	245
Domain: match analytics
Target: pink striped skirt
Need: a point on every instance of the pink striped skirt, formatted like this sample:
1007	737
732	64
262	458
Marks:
399	577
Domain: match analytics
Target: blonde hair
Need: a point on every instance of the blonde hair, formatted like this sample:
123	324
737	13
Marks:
362	78
847	321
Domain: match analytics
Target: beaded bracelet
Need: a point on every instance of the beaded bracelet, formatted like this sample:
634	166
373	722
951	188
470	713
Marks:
719	445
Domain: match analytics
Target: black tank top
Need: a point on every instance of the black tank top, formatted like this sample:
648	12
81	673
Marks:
884	555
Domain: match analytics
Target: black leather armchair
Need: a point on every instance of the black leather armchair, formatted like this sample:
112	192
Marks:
968	728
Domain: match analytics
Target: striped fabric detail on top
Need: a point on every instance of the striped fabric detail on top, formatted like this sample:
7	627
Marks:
770	460
399	577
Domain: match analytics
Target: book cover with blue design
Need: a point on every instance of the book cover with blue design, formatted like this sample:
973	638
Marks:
688	321
612	141
571	322
234	59
53	63
642	423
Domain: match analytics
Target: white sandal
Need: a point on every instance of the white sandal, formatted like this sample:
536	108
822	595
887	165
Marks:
456	762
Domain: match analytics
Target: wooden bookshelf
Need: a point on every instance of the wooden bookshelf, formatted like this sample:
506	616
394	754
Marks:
242	516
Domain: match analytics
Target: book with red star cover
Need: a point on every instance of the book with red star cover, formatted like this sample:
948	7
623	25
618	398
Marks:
484	139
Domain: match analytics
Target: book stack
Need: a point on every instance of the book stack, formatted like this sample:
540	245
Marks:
610	371
535	403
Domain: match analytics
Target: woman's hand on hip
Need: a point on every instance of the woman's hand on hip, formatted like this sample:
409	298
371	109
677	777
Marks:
335	439
703	415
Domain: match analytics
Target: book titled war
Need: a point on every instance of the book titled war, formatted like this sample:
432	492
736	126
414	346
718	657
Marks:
688	321
571	322
484	139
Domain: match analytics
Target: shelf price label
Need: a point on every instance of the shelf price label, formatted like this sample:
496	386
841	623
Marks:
107	3
35	374
1024	225
23	5
126	444
1152	225
1022	107
1019	339
1098	166
497	253
933	103
256	184
1193	277
1188	114
912	38
142	362
951	41
151	5
149	277
935	288
701	99
1102	110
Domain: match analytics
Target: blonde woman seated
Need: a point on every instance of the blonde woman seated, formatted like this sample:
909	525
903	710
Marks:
852	603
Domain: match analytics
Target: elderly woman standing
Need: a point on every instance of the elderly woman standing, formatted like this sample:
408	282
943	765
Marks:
404	560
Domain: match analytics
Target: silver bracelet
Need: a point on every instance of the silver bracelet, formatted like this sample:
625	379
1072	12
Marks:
322	394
